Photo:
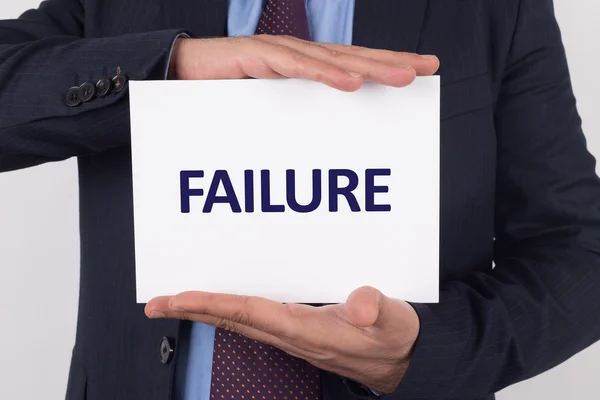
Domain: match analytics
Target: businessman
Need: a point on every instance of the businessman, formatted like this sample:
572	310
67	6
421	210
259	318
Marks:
518	189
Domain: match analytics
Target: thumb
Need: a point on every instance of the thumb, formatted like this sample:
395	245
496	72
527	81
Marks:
365	306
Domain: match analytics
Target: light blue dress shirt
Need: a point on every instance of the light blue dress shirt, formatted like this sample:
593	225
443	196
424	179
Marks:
330	21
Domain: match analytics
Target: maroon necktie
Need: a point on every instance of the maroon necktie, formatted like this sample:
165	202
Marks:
285	17
244	368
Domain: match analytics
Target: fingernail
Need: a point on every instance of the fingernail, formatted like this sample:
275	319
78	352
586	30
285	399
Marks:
157	314
428	57
355	75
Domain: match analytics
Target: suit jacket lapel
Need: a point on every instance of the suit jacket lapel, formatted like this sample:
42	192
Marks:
388	24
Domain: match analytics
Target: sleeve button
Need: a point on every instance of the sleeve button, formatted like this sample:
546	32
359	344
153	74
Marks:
118	83
103	86
87	92
72	97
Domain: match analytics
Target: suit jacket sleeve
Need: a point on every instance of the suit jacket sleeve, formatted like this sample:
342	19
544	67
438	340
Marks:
42	54
540	305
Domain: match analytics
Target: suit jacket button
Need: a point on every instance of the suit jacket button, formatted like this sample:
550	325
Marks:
118	83
103	86
87	92
166	350
72	97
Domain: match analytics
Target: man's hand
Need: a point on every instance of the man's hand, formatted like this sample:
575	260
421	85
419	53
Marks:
368	339
269	56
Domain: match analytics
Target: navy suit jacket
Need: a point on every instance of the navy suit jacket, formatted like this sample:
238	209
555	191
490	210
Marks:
518	186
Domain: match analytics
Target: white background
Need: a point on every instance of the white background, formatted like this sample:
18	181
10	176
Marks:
39	252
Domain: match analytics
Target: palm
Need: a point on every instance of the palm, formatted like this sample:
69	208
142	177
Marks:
368	338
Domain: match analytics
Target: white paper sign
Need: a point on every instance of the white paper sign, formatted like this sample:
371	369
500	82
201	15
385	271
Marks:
286	189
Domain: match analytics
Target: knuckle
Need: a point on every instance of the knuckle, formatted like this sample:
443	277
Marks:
328	51
241	318
226	325
333	53
241	315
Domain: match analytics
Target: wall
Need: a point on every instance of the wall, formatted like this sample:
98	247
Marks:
39	250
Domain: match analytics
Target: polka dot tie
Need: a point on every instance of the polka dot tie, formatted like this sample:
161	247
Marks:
284	17
246	369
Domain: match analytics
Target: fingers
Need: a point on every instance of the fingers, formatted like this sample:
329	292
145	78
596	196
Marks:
300	326
293	64
268	56
157	307
230	326
384	70
424	65
342	67
255	312
168	307
333	53
189	307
